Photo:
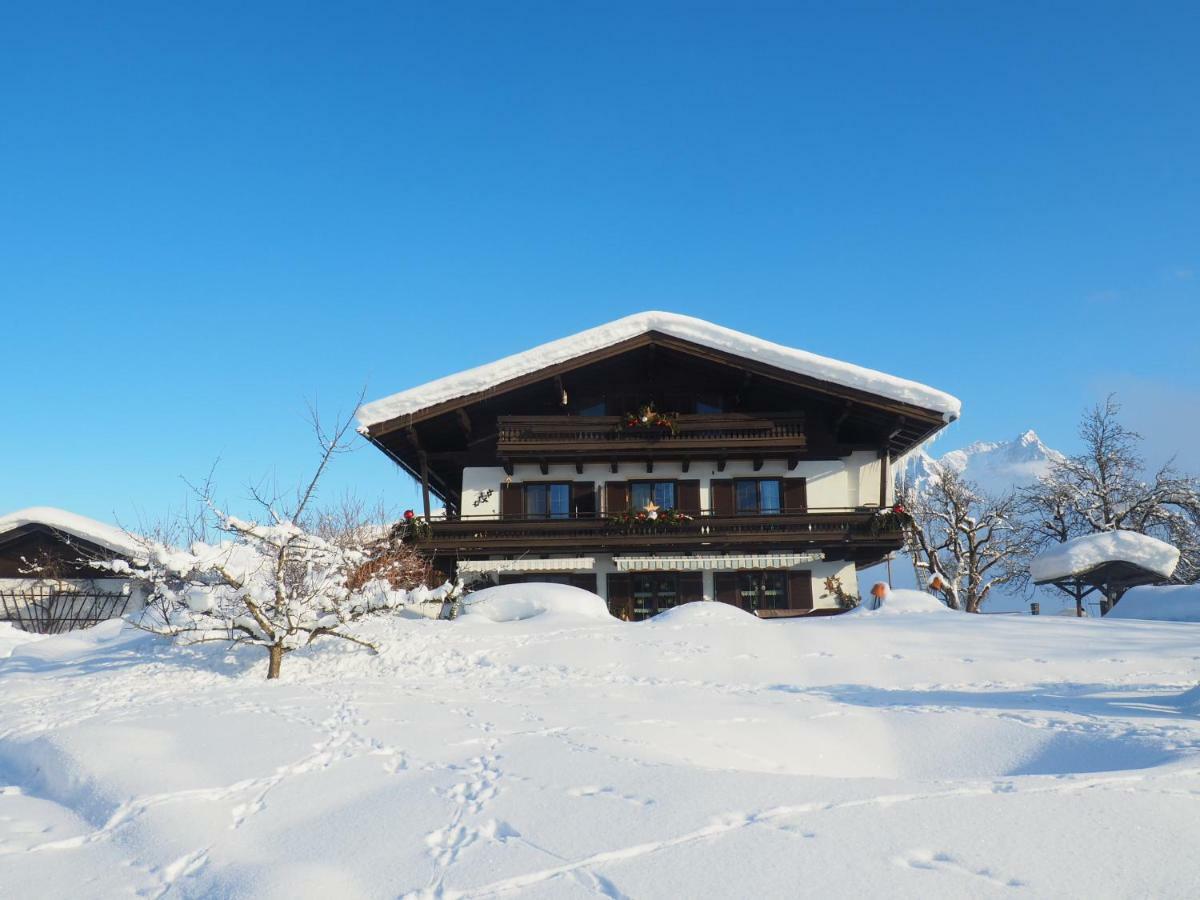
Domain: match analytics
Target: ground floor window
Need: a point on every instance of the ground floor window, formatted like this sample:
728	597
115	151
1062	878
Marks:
765	591
762	590
635	596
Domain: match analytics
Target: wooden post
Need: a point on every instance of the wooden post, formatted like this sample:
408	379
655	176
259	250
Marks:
425	484
883	477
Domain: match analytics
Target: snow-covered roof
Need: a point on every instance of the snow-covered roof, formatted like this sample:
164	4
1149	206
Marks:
1159	602
107	536
1082	554
697	331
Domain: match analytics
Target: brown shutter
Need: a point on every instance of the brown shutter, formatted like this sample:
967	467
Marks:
512	501
691	587
722	496
688	495
800	593
616	497
795	495
725	588
585	580
620	594
583	499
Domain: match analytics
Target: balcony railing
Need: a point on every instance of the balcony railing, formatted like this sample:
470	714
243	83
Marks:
542	434
814	527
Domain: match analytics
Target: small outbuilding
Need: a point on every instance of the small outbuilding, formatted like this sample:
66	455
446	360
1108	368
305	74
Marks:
1110	562
50	577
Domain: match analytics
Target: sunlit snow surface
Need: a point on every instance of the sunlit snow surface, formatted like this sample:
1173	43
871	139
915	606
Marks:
702	754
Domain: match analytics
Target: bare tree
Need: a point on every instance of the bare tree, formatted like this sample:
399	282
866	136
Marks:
281	583
961	540
1105	488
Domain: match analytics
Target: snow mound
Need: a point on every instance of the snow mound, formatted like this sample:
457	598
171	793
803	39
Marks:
897	602
1082	554
1163	603
12	637
704	613
108	536
72	645
686	328
515	602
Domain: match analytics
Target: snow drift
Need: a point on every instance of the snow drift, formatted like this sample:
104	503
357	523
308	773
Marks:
515	602
1163	603
898	602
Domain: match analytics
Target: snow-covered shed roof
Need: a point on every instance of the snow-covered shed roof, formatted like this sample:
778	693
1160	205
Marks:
1083	554
686	328
99	533
1159	602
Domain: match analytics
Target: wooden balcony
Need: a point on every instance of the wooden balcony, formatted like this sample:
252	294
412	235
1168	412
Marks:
852	533
602	437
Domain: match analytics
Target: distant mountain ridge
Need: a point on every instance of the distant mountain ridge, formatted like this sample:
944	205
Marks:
995	466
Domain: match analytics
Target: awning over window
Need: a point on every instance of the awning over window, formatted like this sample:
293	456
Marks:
569	564
732	561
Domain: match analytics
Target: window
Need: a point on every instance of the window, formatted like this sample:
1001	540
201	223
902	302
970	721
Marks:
708	404
654	593
758	496
593	408
661	492
547	500
762	590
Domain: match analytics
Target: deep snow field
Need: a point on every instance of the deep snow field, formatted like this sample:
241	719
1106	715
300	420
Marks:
704	753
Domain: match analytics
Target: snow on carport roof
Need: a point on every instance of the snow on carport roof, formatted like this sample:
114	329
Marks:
103	535
687	328
1082	554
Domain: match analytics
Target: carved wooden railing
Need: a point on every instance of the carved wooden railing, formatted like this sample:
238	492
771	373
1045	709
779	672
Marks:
517	433
533	534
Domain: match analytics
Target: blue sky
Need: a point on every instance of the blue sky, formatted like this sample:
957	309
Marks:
213	213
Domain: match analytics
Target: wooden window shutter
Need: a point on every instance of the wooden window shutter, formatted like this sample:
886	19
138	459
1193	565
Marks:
616	497
800	591
585	580
583	500
795	495
691	587
721	491
620	594
512	501
725	588
688	494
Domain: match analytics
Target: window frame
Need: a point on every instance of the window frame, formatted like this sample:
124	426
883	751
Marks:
547	514
758	588
758	504
674	482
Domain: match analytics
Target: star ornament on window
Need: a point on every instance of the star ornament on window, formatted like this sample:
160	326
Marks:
651	509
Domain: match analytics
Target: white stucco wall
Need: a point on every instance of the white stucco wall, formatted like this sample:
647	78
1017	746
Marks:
832	484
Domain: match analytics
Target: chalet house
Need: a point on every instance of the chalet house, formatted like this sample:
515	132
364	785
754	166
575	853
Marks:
661	459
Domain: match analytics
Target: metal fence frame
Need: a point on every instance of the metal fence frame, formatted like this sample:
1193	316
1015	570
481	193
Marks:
53	608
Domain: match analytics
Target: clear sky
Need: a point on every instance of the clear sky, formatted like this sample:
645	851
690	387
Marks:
210	213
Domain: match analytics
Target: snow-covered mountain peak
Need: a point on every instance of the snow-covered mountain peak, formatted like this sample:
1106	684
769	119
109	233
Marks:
995	466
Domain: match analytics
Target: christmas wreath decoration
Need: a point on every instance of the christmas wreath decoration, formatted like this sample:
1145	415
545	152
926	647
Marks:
894	518
649	518
413	527
647	418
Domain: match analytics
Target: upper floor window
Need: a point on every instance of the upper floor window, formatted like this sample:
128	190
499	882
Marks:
547	500
757	496
707	404
661	492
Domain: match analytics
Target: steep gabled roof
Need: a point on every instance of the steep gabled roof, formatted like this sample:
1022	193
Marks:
494	376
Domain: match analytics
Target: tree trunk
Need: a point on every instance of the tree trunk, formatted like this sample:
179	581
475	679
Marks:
275	660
